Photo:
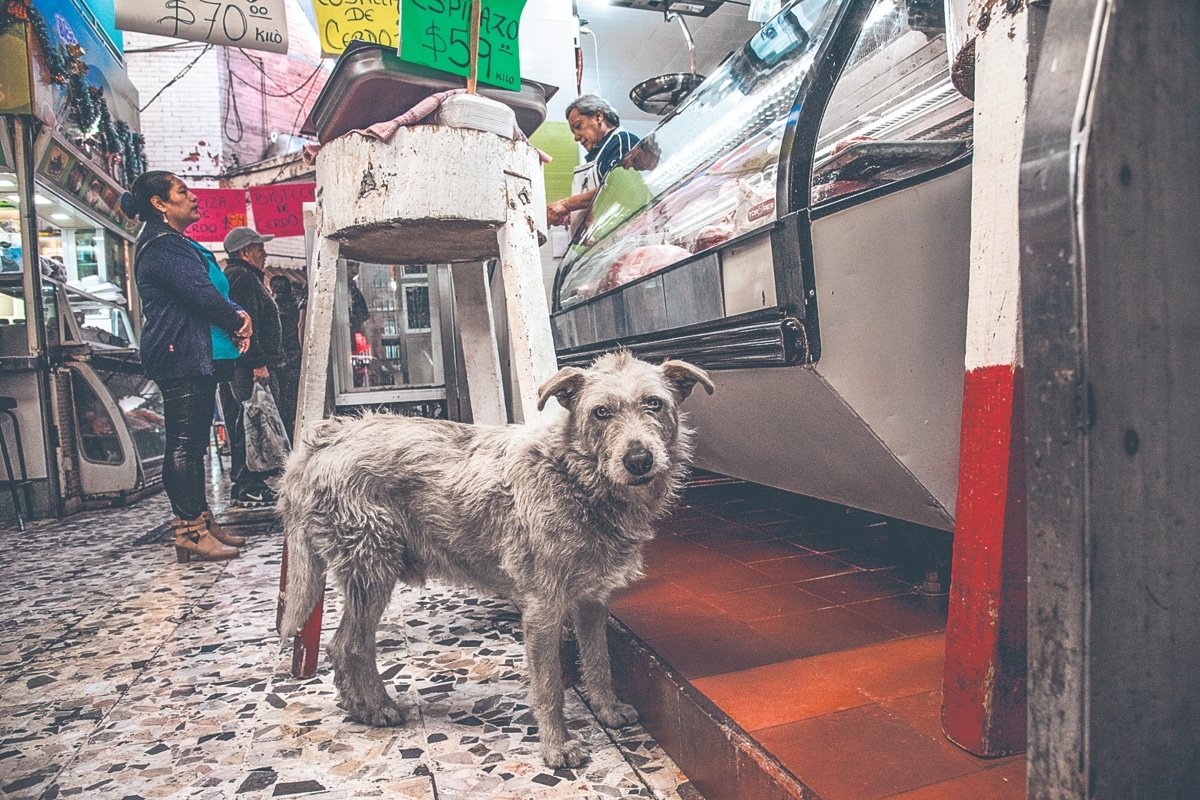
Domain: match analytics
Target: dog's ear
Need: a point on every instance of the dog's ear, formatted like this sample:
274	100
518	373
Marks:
683	377
564	386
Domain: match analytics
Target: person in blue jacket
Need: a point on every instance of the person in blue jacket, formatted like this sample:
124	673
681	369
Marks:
188	321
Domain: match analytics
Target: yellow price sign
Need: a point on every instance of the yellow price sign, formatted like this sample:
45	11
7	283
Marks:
340	22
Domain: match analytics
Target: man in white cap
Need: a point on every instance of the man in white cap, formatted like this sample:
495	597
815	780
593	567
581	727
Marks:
247	287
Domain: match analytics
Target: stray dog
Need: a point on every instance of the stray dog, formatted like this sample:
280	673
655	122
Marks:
553	517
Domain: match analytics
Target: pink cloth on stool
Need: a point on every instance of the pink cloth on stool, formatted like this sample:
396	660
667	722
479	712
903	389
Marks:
384	131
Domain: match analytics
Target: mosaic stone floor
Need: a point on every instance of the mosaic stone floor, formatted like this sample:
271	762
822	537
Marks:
126	675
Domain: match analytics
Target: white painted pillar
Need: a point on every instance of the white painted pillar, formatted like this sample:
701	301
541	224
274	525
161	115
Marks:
984	680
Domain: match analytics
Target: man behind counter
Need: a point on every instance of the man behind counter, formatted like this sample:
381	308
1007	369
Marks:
595	125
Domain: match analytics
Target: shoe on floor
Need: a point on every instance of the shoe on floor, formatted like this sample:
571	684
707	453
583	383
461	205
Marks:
254	497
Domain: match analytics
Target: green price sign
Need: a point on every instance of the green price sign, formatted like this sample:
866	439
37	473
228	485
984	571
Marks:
437	33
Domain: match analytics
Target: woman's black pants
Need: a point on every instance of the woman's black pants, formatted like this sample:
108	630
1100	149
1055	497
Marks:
188	409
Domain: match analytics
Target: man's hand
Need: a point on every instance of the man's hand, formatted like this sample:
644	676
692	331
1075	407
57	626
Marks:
247	329
242	344
261	374
558	214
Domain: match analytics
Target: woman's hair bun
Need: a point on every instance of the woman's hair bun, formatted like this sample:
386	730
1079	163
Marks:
127	204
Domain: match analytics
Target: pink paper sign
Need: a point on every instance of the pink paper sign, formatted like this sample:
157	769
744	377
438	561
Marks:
279	209
221	210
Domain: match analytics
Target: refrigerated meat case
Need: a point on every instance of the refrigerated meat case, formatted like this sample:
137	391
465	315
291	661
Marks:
800	224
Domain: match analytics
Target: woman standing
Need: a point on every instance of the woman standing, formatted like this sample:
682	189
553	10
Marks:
183	309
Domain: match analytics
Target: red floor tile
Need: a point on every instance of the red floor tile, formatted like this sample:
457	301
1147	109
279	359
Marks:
668	555
1003	782
656	620
799	689
826	630
767	601
650	590
720	573
718	648
863	753
854	587
752	552
803	568
909	614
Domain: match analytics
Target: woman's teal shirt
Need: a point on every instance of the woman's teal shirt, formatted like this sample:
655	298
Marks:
223	347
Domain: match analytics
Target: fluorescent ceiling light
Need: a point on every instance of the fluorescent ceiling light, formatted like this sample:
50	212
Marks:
5	183
60	216
41	201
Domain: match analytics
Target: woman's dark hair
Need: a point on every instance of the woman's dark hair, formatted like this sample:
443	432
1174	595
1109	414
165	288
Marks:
281	287
136	202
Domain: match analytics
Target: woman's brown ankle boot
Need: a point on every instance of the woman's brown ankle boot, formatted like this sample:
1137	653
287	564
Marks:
223	536
192	539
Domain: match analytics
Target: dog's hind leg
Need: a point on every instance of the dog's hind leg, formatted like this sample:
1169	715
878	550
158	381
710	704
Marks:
543	639
590	620
352	651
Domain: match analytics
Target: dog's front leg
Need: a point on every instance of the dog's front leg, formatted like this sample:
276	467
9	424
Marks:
591	619
543	638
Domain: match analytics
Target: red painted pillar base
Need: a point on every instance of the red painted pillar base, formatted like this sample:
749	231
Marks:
306	646
984	682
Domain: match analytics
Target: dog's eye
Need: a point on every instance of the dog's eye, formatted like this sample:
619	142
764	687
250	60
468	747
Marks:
653	404
601	412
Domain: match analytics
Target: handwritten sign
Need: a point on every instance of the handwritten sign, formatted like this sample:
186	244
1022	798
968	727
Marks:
436	33
252	24
279	209
339	22
221	210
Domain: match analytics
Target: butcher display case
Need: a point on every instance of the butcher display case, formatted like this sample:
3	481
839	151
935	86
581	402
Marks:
800	227
697	245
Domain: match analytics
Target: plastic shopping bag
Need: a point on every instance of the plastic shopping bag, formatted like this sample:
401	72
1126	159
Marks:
266	440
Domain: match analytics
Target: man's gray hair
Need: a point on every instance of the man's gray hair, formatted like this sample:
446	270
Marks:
589	104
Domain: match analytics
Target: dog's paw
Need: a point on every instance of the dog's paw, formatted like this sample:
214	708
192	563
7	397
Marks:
570	755
617	715
379	715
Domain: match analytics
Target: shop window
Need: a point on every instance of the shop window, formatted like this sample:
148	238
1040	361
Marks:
894	113
99	321
416	309
393	338
98	438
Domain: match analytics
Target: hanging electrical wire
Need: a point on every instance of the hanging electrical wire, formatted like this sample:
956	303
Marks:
182	72
231	106
287	92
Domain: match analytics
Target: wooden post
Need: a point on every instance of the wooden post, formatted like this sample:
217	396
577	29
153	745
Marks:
477	332
310	409
531	342
473	48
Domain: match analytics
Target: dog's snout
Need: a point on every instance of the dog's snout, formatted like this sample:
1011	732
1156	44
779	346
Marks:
638	460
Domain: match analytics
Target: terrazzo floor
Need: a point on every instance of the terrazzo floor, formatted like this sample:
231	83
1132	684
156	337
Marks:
126	675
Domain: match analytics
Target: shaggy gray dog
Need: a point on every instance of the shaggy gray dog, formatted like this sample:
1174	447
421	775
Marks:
552	516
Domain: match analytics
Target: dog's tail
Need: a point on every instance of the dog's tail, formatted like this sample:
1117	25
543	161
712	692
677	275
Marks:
305	567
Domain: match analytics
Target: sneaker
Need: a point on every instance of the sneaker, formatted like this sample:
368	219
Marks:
254	497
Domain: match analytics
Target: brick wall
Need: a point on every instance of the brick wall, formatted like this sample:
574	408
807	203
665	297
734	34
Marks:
222	113
183	125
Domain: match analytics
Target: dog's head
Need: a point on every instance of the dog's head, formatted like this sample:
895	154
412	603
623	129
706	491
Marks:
624	414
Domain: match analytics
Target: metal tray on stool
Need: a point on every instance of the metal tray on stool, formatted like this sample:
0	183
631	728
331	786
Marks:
371	84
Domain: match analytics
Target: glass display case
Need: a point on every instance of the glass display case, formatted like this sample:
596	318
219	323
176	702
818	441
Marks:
698	244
